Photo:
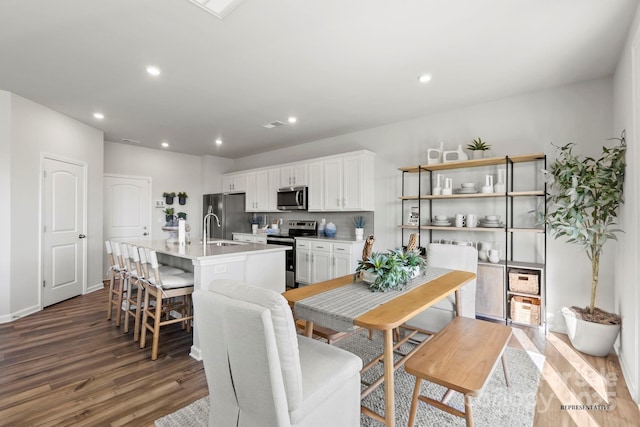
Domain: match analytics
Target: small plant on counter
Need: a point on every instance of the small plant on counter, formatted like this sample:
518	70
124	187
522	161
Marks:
255	220
359	221
182	215
169	215
182	197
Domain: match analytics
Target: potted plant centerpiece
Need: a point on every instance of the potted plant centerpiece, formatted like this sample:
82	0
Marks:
583	208
390	270
182	197
477	148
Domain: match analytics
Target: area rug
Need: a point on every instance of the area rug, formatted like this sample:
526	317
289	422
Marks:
497	405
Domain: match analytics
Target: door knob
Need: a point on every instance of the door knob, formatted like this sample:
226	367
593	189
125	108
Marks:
81	236
145	234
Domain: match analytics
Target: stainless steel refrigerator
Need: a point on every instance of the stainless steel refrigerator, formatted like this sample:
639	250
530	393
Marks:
230	209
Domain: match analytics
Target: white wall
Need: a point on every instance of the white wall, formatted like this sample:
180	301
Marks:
627	277
5	204
34	130
169	172
519	125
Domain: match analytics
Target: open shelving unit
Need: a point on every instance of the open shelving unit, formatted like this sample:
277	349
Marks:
490	275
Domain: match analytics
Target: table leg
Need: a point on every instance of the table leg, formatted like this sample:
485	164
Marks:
389	401
308	330
458	302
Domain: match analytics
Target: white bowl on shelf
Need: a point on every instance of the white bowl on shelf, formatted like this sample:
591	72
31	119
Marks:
440	218
468	185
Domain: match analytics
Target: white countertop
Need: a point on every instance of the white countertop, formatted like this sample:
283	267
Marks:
337	238
195	251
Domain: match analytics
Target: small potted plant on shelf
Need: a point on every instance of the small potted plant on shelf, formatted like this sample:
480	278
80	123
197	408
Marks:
359	222
182	197
477	148
182	215
168	212
390	270
255	222
168	197
584	208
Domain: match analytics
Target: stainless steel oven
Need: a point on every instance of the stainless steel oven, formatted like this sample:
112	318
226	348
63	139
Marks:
299	229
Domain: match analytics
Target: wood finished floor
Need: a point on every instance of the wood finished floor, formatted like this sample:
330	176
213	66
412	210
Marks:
68	365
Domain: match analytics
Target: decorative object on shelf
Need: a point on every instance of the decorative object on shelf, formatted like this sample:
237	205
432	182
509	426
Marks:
494	255
472	220
413	242
460	220
448	187
483	250
434	155
500	186
182	197
390	270
488	184
182	215
414	216
477	148
359	222
454	156
437	190
321	227
330	229
586	193
168	197
169	216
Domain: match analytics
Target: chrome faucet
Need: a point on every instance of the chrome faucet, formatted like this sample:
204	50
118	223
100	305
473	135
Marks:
206	222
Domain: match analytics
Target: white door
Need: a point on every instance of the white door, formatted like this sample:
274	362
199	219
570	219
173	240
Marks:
127	208
64	220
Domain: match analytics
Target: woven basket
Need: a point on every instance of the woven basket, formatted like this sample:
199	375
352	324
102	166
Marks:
523	281
525	310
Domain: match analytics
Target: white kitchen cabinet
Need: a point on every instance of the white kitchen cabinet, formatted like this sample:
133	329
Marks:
250	238
262	190
347	182
293	175
318	260
233	183
315	186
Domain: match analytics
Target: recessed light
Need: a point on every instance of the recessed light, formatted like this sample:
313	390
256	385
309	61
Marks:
292	119
153	70
424	78
218	141
165	144
98	116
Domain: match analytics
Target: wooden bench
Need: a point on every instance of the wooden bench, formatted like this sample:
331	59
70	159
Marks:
460	357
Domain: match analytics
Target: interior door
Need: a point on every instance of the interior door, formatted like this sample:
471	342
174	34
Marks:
127	208
64	222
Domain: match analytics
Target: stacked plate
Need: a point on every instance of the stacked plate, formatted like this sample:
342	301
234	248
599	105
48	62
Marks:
491	221
468	190
441	223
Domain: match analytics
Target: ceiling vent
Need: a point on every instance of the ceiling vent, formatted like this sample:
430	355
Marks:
274	124
130	141
218	8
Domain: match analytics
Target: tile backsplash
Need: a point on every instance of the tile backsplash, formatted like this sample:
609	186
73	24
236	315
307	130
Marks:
342	220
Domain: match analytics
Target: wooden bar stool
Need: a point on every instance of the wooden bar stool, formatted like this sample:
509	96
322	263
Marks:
118	273
171	294
460	357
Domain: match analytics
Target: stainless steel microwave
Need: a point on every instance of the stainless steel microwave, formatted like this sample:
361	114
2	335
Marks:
292	199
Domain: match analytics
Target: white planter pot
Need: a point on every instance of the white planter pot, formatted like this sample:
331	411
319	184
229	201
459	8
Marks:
591	338
359	234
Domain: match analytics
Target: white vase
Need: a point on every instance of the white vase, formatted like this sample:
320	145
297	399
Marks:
369	277
359	234
591	338
254	228
477	154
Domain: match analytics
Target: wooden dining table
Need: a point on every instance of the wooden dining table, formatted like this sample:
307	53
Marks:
388	316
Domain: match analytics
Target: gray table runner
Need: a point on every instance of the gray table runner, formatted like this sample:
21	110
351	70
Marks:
338	308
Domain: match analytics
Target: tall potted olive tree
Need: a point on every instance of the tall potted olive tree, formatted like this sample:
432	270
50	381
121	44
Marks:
584	200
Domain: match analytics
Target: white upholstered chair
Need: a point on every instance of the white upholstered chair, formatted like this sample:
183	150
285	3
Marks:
453	257
260	372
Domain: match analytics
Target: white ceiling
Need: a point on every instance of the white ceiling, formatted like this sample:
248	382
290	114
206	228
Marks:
338	65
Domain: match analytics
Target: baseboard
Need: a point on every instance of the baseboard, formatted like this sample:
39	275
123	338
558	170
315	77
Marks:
631	383
24	312
94	288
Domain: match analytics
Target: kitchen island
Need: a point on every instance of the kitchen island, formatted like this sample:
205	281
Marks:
257	264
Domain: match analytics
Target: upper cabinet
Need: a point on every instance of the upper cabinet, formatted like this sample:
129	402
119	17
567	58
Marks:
234	183
342	182
261	190
346	183
294	175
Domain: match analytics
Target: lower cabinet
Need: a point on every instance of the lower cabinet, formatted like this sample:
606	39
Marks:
250	238
318	260
490	291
